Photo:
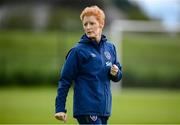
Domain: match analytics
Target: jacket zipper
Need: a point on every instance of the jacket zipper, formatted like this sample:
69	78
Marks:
105	87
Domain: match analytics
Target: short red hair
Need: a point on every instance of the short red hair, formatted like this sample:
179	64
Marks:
94	11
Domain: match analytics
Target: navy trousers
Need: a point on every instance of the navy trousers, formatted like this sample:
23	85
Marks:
93	120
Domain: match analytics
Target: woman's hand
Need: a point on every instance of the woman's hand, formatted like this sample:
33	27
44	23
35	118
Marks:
61	116
114	70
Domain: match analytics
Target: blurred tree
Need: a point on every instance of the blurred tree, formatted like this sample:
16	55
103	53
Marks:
80	4
26	14
44	15
131	10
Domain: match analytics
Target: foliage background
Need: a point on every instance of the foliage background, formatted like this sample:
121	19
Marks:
36	35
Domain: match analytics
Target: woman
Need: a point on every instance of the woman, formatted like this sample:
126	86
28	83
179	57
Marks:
91	64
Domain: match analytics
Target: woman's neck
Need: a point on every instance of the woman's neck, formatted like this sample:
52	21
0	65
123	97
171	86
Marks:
98	39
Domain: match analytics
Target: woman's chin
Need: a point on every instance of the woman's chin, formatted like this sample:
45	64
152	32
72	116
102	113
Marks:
91	36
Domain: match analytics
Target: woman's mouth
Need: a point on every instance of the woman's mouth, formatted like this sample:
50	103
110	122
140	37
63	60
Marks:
89	32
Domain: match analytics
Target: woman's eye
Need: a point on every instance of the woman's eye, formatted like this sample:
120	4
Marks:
92	23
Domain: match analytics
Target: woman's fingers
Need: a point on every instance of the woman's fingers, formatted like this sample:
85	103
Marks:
114	70
61	116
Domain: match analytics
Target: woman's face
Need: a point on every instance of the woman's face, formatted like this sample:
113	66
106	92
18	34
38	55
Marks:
92	27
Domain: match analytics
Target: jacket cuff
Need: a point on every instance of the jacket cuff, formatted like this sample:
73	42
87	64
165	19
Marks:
117	77
60	110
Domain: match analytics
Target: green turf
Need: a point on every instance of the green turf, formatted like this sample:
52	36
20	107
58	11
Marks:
130	106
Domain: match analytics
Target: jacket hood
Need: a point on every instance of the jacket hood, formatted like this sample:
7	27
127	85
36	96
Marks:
86	39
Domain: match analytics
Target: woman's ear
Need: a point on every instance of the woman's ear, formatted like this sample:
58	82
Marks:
101	26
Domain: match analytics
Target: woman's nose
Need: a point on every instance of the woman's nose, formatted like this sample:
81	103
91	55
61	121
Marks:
88	26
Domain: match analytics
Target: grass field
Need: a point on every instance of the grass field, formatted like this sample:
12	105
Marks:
145	57
130	106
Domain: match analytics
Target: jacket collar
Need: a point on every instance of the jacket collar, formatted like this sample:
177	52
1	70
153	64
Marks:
86	39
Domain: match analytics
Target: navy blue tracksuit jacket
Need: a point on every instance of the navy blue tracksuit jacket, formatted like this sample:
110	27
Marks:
88	65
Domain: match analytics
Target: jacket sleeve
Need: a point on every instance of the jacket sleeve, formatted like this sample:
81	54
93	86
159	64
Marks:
68	74
118	77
